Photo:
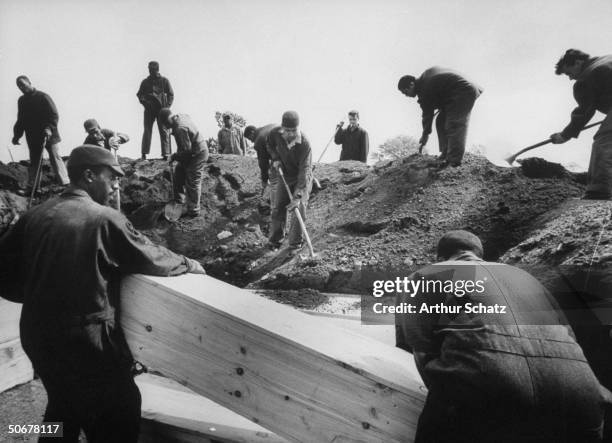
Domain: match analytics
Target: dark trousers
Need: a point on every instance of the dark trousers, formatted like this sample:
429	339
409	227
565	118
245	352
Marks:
599	176
539	400
452	125
188	176
35	148
279	216
107	412
86	371
150	115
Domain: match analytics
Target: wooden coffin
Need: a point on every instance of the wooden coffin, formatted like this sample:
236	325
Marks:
292	373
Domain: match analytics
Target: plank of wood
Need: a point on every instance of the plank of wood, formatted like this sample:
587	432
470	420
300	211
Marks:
9	320
15	366
292	373
173	412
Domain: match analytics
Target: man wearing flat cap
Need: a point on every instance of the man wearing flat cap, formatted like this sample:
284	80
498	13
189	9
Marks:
230	137
354	139
453	95
103	137
66	258
499	362
155	93
290	151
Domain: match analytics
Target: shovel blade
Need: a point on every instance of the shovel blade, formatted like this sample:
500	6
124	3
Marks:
173	211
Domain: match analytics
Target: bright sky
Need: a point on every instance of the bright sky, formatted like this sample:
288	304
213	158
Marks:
321	58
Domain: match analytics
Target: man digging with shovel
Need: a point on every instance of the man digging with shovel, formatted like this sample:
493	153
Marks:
291	154
191	156
593	92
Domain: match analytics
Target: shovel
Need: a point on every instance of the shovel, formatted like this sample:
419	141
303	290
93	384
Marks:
296	211
316	183
513	157
173	209
37	177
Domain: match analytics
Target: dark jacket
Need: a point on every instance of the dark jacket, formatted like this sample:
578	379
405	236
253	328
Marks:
355	143
155	93
438	87
35	113
263	158
296	162
189	140
68	255
592	91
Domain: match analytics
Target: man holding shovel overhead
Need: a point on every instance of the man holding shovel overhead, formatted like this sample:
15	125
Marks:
593	92
37	117
190	156
454	96
290	151
354	139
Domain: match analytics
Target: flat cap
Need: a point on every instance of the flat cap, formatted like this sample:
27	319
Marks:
90	123
163	115
460	240
291	120
91	155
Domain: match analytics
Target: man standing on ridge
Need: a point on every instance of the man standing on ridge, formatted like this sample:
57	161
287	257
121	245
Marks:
37	116
289	150
155	93
190	156
454	96
230	137
354	139
67	257
593	92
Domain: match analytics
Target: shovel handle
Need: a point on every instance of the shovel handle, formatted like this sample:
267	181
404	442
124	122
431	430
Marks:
296	211
545	142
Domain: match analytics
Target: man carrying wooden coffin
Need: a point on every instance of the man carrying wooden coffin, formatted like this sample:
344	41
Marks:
64	260
499	365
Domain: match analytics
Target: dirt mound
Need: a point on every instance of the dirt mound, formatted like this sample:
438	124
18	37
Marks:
388	219
366	222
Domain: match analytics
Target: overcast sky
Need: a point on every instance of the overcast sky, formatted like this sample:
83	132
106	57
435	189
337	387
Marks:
321	58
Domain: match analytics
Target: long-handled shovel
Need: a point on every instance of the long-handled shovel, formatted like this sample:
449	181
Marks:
118	192
316	182
296	211
11	154
173	210
513	157
37	177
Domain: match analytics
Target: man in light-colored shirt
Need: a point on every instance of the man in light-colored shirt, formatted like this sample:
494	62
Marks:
191	156
230	137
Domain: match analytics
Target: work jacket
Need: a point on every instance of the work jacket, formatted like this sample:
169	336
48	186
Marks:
108	140
155	93
67	257
189	140
355	143
438	87
231	141
263	158
592	91
35	113
462	347
296	161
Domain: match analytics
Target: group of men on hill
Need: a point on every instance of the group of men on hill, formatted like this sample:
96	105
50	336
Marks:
478	374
